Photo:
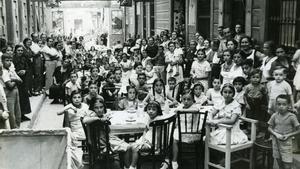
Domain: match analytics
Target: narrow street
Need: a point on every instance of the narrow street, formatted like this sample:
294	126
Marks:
44	115
184	84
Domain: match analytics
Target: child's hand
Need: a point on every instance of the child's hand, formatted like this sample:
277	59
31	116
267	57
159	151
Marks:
5	115
279	136
285	137
71	108
105	118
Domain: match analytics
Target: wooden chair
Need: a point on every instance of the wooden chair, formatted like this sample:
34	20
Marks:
85	146
98	144
228	149
162	139
191	125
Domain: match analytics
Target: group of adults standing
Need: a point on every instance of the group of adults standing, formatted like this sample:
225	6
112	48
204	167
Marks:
23	73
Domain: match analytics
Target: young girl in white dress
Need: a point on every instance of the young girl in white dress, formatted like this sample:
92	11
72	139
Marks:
131	101
214	96
198	93
228	113
201	69
127	66
75	110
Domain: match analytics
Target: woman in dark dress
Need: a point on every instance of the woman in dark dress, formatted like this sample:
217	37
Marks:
60	76
21	68
28	54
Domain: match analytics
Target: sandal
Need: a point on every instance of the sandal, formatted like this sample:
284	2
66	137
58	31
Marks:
165	165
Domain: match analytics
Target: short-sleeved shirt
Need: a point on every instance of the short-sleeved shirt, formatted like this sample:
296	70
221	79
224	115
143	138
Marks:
275	89
201	99
255	91
72	86
215	96
8	75
49	52
283	124
199	69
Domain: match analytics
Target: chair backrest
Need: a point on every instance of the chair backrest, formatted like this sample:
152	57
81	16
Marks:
97	134
84	126
66	121
162	135
191	123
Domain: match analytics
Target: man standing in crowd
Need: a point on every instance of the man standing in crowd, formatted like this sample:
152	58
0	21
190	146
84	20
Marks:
151	48
227	36
238	32
37	64
50	56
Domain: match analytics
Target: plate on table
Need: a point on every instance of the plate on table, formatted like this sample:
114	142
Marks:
130	120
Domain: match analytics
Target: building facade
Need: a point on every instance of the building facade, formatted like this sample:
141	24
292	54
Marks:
20	18
263	20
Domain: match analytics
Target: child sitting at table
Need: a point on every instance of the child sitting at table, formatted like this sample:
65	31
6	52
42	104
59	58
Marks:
109	91
198	93
159	94
98	112
93	93
96	77
75	110
283	125
154	111
188	104
214	94
171	89
131	101
228	113
141	86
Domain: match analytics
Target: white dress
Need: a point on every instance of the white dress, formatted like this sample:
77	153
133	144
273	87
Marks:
237	135
126	75
77	133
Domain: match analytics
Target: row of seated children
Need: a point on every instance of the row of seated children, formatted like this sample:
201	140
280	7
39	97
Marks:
227	113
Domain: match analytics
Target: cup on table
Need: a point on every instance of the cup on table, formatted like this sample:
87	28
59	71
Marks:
108	112
131	113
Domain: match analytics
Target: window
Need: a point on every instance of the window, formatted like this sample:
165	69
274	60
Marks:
283	25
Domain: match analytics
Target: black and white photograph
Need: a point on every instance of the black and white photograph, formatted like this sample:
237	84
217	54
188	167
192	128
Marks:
149	84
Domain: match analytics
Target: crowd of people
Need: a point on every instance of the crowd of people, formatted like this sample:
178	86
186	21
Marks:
232	73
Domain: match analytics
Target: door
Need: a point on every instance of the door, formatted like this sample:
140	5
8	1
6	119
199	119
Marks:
203	25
